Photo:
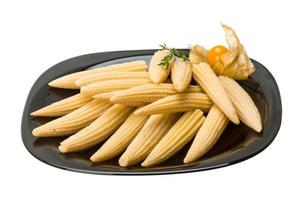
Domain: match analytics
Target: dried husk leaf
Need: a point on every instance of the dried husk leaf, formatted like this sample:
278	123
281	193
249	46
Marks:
229	57
235	63
197	54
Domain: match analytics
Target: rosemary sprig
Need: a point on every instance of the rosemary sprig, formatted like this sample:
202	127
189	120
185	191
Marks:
173	53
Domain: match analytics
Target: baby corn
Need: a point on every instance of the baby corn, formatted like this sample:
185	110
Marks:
72	122
208	134
181	75
63	107
157	72
112	85
68	81
179	135
97	131
210	83
177	103
244	105
118	142
106	95
149	93
93	78
154	129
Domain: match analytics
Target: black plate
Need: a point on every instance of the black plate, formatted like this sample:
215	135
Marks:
237	143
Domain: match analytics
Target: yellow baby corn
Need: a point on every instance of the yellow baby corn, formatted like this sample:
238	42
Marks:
97	131
68	81
177	103
63	107
154	129
93	78
143	94
244	105
106	95
208	134
112	85
118	142
72	122
210	83
181	74
159	73
177	137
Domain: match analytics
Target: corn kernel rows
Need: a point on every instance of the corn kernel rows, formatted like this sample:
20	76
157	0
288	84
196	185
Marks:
151	133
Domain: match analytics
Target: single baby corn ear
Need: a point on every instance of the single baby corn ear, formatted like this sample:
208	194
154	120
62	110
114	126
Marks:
177	137
118	142
97	131
98	77
148	93
157	72
209	82
112	85
153	130
177	103
208	134
63	107
72	122
181	74
244	105
68	81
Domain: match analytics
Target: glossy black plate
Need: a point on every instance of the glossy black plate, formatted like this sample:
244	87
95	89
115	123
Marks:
237	143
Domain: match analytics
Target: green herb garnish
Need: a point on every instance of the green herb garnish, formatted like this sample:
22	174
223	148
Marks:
173	53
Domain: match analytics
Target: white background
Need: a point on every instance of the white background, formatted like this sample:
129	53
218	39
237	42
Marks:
35	35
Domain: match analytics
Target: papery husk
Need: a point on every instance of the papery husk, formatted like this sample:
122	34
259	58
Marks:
197	54
235	63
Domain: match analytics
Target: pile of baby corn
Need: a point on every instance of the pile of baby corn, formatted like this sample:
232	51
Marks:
146	117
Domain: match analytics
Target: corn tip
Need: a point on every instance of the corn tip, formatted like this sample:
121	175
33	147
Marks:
257	128
78	83
62	149
52	83
35	113
155	80
235	119
35	132
98	157
42	131
123	162
187	160
39	113
180	88
93	158
83	90
145	164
